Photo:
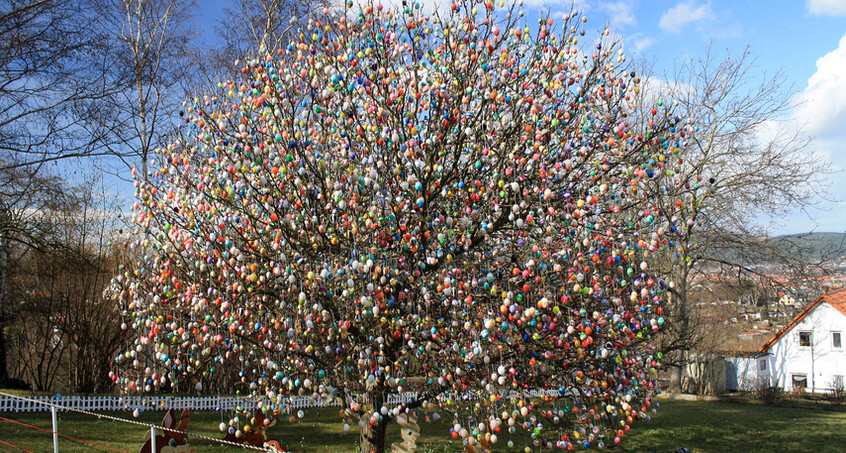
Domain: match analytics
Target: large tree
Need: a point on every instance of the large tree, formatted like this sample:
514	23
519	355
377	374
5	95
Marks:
451	205
50	76
747	166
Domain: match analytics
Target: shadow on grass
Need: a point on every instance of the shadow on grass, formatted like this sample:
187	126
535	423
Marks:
724	427
700	426
322	431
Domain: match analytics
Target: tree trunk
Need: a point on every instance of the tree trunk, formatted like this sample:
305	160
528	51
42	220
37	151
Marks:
675	379
102	382
683	340
373	436
4	372
142	114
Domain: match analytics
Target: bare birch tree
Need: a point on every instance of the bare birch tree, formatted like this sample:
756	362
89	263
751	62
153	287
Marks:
150	41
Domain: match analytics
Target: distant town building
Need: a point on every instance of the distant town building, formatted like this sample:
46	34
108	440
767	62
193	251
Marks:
788	301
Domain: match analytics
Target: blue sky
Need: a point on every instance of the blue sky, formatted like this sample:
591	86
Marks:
806	39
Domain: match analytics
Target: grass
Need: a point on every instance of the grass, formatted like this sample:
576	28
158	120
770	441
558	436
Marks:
699	426
738	427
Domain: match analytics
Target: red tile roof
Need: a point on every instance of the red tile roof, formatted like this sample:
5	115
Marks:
836	299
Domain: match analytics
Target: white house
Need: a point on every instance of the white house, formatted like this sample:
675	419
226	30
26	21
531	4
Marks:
743	371
808	354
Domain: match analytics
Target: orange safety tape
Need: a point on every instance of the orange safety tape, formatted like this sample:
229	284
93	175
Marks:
14	446
60	434
147	425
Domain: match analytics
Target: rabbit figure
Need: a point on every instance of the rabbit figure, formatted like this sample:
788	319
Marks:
169	441
255	435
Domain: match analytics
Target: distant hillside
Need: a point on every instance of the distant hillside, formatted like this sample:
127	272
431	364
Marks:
808	247
816	245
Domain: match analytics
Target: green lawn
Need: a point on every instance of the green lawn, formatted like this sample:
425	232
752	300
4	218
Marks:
699	426
738	427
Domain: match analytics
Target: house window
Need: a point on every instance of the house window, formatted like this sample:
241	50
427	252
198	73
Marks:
804	338
800	381
835	339
762	364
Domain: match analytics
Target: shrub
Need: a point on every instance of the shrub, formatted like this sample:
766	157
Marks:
837	388
766	392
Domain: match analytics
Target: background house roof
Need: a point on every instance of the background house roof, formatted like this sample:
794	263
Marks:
836	299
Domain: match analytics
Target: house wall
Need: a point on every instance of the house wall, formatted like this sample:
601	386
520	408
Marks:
820	362
744	373
709	373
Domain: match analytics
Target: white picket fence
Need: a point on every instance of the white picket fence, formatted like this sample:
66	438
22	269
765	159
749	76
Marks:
195	403
147	402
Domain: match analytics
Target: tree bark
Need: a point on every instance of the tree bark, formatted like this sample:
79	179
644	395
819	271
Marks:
4	372
675	379
678	354
373	436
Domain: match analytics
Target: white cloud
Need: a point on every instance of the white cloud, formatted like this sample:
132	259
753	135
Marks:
821	112
822	104
729	32
551	4
655	90
644	43
620	13
827	7
678	17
